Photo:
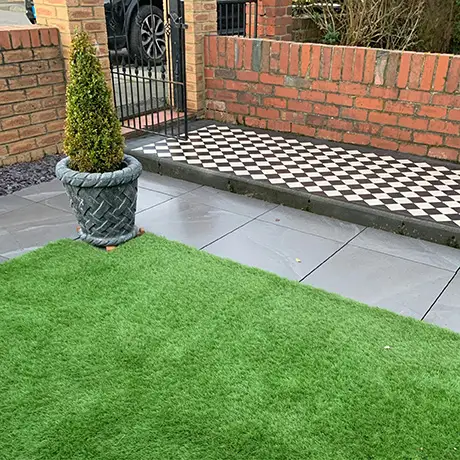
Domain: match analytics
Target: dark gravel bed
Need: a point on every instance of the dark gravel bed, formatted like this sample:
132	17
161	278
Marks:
21	175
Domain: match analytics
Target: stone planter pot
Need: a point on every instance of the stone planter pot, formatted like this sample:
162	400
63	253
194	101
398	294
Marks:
104	203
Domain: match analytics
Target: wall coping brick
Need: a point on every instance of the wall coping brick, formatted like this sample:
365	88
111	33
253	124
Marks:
27	37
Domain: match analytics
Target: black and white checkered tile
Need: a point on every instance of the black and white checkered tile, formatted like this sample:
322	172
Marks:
401	185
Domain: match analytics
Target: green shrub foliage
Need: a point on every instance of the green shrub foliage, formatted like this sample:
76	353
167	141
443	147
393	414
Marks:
93	138
456	38
417	25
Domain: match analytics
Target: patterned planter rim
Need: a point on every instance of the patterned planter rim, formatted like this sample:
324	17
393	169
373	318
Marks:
104	203
128	174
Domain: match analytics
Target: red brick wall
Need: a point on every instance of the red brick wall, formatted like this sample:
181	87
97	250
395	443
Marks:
409	102
32	93
274	19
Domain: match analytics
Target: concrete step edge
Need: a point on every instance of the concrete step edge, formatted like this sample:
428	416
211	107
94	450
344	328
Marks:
345	211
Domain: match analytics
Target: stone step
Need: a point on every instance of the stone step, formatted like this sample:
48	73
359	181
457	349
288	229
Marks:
409	195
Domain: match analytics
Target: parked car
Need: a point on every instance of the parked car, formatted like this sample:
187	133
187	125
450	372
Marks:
138	25
145	31
132	24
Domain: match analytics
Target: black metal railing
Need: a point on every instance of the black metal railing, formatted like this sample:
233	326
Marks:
237	17
147	63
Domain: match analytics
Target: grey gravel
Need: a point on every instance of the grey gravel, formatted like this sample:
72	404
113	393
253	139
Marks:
21	175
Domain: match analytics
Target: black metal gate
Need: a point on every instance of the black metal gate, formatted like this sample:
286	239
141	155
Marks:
147	63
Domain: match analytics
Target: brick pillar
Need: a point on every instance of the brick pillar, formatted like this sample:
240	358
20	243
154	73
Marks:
275	19
71	15
201	18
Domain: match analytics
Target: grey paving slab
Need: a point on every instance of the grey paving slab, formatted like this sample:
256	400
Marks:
13	18
60	202
11	202
164	184
190	222
148	198
409	248
43	191
19	252
312	223
446	310
32	227
239	204
405	287
145	199
280	250
3	259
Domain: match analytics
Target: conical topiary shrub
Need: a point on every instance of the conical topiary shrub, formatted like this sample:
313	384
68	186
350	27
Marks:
99	179
93	138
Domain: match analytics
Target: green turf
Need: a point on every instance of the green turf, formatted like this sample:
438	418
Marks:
160	352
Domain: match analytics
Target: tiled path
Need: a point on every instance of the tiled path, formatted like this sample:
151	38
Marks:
403	185
408	276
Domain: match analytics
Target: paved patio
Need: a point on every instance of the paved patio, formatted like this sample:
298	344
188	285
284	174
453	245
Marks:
405	275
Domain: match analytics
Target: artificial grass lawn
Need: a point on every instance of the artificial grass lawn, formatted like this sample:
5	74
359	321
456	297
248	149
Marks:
158	351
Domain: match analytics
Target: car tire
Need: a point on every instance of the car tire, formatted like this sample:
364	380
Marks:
147	40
